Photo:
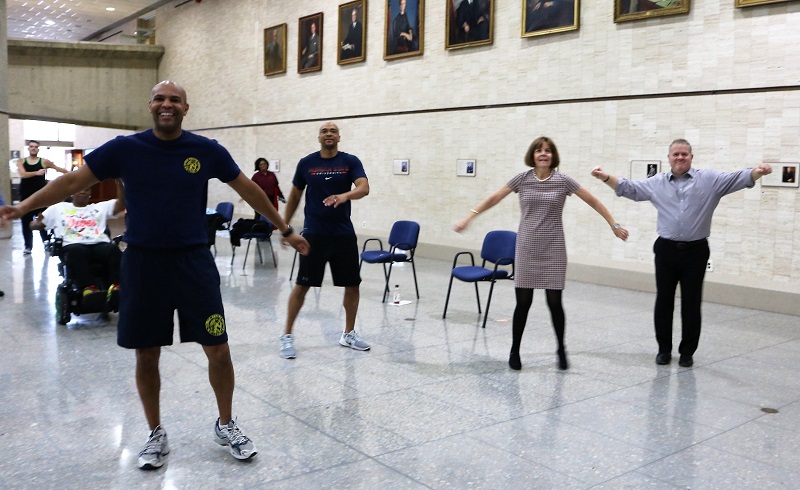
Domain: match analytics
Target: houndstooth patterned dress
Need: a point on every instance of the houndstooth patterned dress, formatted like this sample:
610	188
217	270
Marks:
541	256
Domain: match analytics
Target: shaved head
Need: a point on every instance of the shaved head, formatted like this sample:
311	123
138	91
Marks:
161	84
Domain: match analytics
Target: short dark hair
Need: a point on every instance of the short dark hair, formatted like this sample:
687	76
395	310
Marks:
261	159
679	141
537	143
34	141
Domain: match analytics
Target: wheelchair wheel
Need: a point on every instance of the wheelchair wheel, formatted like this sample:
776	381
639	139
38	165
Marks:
63	315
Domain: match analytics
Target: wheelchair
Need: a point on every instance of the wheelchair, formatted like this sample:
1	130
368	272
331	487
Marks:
69	297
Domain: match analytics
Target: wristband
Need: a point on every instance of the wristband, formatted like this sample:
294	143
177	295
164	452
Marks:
288	232
609	176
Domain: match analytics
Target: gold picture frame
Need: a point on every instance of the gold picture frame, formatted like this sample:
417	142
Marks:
404	29
753	3
352	45
275	50
541	17
626	10
309	43
468	23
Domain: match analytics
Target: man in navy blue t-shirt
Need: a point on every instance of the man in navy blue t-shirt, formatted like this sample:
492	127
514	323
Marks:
167	264
328	176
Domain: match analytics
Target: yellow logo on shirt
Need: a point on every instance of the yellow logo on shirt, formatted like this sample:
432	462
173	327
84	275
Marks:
215	325
192	165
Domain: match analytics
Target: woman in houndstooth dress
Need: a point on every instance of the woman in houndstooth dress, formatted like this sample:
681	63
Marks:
541	253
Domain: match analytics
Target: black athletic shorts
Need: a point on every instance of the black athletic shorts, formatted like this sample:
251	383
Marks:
341	252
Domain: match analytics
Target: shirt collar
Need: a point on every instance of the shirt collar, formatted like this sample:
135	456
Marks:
689	174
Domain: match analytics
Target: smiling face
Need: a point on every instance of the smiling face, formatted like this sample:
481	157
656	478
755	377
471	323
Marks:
329	136
168	106
680	157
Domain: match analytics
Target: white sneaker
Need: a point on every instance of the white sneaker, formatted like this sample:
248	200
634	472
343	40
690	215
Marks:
350	339
231	435
156	447
287	346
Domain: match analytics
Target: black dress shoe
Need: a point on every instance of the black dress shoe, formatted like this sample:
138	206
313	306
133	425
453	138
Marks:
685	361
514	361
663	358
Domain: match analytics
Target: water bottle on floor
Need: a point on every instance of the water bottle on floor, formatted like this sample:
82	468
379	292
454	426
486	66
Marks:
396	295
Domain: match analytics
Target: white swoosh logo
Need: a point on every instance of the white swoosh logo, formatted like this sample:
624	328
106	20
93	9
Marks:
328	178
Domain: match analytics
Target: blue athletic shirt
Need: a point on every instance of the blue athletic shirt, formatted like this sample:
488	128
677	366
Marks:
325	177
166	185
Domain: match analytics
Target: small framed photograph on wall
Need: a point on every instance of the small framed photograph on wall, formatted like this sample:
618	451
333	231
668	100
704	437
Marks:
751	3
404	28
468	23
625	10
275	50
274	166
400	167
644	169
540	17
352	32
783	175
309	43
466	167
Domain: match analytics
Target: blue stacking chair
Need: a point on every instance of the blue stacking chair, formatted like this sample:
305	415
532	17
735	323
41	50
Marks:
225	210
403	238
258	236
498	253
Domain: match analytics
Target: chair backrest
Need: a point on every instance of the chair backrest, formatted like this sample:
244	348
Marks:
404	234
225	209
499	246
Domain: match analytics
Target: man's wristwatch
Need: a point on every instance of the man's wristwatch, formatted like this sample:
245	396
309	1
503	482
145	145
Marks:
289	231
617	226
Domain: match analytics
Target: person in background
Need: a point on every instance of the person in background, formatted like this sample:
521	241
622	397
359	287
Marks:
685	199
329	176
268	182
540	260
82	227
32	170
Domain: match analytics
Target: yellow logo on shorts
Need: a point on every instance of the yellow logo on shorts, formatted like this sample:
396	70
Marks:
215	325
192	165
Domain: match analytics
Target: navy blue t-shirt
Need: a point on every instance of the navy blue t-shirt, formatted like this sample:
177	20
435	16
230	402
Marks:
166	184
325	177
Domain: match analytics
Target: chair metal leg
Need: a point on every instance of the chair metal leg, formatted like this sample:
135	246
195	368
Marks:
477	296
272	251
447	300
258	249
386	289
414	270
246	253
233	255
293	262
488	302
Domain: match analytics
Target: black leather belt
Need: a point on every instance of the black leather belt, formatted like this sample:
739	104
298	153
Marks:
683	245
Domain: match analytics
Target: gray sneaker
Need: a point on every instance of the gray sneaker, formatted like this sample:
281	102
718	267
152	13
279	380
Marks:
287	346
230	435
350	339
156	447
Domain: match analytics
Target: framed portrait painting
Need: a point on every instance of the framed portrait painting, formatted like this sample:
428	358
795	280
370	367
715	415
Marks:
466	167
783	175
644	169
625	10
750	3
309	43
404	28
400	167
541	17
352	32
469	23
275	50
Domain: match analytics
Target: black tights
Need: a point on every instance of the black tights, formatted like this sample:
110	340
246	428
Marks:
524	302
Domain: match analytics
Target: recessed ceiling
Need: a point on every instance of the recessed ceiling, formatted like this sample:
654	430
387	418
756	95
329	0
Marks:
70	20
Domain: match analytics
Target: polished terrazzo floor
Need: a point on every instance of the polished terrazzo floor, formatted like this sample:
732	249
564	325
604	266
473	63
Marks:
432	405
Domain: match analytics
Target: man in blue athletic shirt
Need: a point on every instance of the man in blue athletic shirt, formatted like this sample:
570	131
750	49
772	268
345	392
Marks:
167	264
328	176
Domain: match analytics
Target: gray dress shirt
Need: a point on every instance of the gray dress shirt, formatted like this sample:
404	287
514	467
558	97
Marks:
685	204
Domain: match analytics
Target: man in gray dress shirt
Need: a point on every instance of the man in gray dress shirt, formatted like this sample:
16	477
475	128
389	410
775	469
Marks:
685	199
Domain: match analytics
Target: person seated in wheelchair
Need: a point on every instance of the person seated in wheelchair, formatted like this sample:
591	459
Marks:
82	227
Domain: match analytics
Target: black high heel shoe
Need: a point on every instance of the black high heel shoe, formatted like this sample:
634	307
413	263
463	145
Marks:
514	361
562	360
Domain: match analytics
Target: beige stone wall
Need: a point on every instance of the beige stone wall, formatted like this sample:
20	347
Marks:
607	93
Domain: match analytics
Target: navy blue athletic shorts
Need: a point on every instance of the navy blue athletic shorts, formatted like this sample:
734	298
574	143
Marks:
156	282
341	252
